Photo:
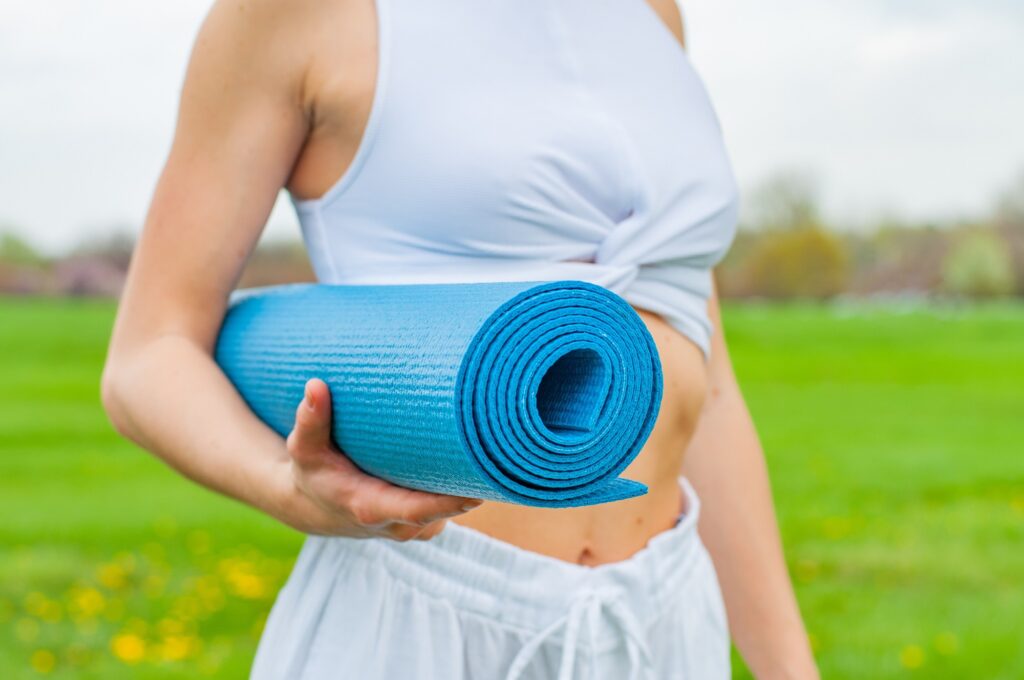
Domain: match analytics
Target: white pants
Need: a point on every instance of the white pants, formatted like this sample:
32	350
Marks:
465	606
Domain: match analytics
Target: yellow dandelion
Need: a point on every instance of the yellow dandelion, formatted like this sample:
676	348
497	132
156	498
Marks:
912	657
1017	503
86	603
26	630
170	627
113	576
178	647
242	578
249	586
128	647
43	661
946	643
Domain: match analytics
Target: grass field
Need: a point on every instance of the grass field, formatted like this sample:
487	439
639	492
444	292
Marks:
894	439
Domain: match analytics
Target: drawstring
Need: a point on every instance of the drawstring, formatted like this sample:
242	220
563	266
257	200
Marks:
588	608
640	662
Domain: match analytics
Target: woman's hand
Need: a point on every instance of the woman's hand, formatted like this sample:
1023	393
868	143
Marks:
330	495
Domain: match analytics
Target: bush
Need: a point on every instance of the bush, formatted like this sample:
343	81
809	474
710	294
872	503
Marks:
807	263
979	266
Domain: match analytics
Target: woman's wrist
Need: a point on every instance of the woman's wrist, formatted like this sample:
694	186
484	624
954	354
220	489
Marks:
272	490
789	669
283	499
784	659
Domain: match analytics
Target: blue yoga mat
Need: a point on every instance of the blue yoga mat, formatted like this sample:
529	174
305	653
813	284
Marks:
537	394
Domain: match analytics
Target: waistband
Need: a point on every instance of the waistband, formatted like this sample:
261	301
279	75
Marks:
491	578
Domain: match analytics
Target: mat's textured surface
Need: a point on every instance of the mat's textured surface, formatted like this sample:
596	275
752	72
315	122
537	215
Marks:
538	394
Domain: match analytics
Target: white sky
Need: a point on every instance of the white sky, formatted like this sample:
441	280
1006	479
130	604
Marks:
908	107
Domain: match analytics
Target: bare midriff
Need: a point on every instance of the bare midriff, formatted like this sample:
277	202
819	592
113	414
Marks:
612	532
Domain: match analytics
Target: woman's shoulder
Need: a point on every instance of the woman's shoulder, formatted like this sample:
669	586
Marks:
274	45
254	22
283	31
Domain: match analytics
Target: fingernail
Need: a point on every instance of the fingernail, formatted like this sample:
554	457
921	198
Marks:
310	403
466	507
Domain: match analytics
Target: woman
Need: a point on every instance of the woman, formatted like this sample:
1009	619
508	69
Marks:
464	141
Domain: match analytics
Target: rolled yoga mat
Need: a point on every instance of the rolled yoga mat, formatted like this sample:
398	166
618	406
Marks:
537	394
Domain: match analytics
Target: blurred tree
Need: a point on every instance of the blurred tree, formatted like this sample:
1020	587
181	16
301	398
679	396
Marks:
15	250
730	274
1010	209
785	201
979	265
114	247
785	249
1009	221
806	263
899	258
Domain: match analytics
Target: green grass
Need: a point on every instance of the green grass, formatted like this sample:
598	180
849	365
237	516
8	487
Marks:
894	440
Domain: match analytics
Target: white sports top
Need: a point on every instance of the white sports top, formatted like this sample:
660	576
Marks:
531	140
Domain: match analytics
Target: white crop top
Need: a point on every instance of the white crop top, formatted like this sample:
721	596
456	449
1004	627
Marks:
533	140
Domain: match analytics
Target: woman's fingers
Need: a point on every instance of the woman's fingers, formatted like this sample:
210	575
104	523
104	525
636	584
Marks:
339	487
408	532
431	530
311	436
376	502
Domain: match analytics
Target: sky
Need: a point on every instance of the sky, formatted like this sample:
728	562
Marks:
899	108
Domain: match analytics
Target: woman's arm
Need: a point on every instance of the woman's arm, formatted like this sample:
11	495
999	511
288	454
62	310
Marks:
726	465
242	122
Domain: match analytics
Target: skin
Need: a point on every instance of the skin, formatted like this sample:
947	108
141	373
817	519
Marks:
277	95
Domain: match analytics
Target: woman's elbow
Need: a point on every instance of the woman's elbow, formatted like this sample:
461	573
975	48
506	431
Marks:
112	396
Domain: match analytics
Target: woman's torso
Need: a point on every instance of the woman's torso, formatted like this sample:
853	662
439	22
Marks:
409	93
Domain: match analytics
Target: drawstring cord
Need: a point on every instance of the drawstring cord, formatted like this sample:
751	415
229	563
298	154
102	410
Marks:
588	608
